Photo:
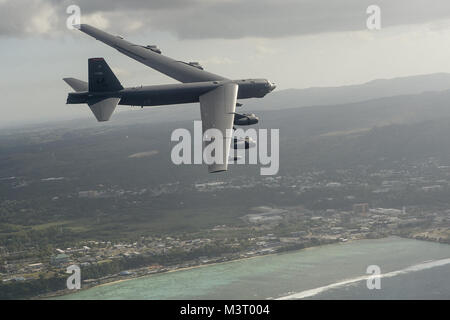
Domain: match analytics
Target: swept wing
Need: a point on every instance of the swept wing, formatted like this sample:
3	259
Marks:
178	70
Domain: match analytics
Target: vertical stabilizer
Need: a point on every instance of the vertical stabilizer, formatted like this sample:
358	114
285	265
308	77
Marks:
101	77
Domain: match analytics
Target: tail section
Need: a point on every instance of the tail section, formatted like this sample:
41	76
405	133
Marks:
100	93
101	77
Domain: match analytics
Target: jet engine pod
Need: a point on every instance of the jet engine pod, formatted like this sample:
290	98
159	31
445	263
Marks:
154	48
245	119
234	158
196	65
245	143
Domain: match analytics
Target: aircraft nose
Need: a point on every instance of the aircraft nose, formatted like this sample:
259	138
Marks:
272	86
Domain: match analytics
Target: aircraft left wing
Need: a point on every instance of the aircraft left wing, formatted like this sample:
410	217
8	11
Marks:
217	109
179	70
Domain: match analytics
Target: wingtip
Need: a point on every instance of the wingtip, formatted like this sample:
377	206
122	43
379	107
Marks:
77	26
216	168
84	27
218	171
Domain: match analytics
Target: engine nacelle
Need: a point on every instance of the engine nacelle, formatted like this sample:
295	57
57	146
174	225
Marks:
234	158
153	48
245	119
245	143
196	65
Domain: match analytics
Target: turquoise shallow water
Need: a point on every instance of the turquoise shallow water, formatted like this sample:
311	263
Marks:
287	274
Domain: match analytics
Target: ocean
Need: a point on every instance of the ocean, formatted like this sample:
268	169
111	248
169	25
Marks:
410	269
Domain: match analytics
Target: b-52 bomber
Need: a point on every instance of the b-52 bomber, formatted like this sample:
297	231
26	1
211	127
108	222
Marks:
217	95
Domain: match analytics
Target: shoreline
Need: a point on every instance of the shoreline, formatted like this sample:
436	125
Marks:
65	292
107	283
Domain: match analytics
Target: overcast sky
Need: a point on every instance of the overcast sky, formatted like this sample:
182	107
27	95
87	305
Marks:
296	44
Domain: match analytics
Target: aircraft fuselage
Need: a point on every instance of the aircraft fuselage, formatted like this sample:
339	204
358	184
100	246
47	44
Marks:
173	93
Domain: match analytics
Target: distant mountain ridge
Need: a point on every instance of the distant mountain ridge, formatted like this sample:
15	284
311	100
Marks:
293	98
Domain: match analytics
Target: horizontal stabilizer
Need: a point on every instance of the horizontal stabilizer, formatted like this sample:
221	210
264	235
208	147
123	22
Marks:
103	109
77	85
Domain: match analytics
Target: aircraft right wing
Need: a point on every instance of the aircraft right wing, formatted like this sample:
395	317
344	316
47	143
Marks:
179	70
217	109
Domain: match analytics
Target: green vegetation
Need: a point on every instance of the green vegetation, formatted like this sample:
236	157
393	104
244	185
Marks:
31	288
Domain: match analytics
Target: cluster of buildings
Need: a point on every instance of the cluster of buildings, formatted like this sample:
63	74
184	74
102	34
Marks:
362	213
306	228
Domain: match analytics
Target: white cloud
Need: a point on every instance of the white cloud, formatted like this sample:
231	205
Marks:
42	19
97	19
232	19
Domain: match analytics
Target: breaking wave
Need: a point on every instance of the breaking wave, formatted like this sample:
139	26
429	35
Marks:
418	267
